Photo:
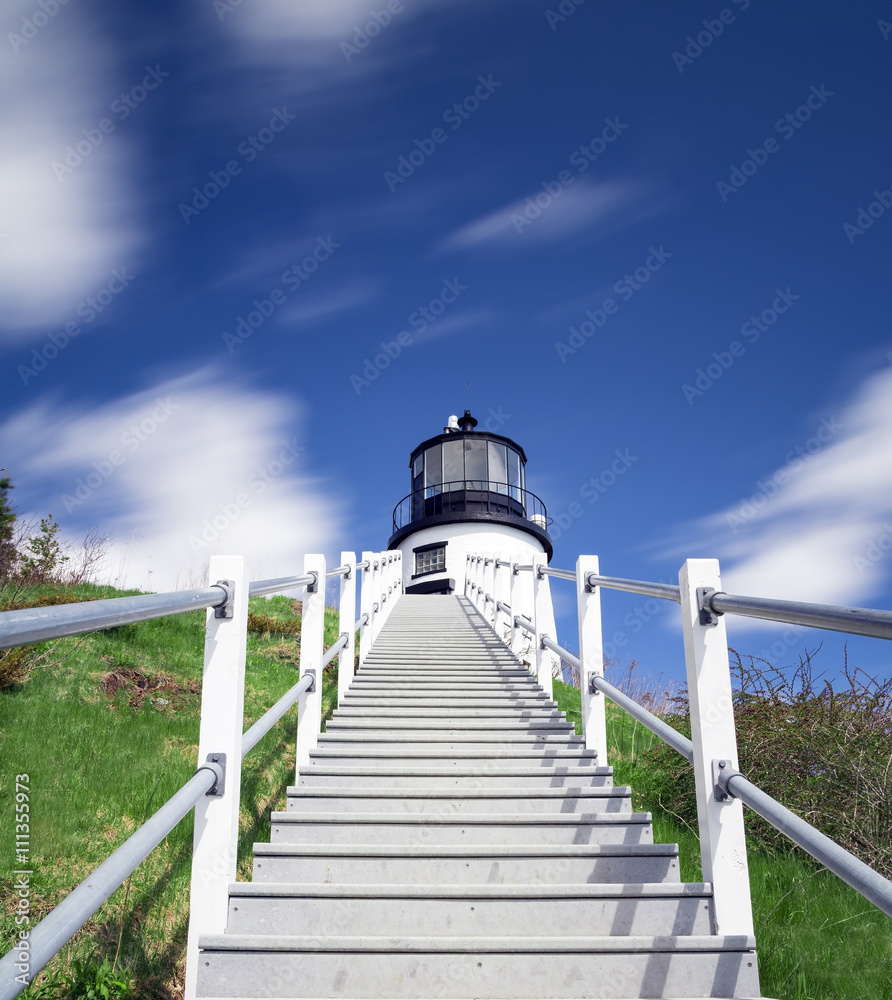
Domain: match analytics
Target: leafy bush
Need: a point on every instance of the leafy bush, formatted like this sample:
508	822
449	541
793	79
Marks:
825	754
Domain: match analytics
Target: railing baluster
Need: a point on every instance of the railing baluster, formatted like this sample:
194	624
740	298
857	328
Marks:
309	710
591	658
215	840
541	603
347	623
365	607
722	841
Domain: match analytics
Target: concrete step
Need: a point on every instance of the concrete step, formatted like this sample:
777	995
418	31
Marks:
502	968
451	726
474	865
479	741
559	911
466	802
497	776
502	712
373	702
538	758
446	830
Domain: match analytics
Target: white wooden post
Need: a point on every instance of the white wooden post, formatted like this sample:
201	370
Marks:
309	706
481	584
365	607
541	601
215	840
375	606
591	658
347	624
502	596
722	842
518	635
489	587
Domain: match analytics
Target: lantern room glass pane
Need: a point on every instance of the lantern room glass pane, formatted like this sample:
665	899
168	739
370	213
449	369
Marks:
498	467
514	474
433	469
453	471
475	464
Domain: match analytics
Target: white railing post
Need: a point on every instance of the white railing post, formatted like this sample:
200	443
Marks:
467	575
591	658
502	596
215	840
518	635
309	706
375	596
347	623
365	608
541	602
722	841
489	587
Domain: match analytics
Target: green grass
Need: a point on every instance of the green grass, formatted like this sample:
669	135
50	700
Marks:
817	938
107	735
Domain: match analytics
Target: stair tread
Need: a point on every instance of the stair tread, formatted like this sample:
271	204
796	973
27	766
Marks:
583	890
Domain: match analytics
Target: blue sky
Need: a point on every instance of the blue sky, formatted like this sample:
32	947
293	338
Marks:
258	249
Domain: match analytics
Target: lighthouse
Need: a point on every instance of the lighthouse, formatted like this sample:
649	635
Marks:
468	496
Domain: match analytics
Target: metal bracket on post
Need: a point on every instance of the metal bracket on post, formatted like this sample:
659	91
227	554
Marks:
224	610
312	675
218	759
592	689
707	615
590	587
720	770
311	588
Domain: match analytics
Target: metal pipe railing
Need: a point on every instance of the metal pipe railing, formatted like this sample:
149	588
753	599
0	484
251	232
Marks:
260	587
20	628
63	922
841	862
337	571
561	574
272	715
857	621
524	624
665	591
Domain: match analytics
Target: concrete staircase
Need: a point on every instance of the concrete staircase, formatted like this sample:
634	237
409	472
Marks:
453	838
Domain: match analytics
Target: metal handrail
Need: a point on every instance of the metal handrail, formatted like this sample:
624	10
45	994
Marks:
503	607
854	872
59	926
522	623
665	591
562	574
338	571
857	621
20	628
260	587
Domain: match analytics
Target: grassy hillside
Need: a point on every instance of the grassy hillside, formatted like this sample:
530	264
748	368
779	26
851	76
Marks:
107	733
817	938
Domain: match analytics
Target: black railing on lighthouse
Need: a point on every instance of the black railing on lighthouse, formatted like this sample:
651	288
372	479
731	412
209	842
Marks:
466	496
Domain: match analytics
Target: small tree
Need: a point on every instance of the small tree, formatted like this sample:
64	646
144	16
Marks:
8	554
43	555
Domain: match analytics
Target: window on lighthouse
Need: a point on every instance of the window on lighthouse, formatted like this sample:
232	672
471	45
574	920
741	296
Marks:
430	561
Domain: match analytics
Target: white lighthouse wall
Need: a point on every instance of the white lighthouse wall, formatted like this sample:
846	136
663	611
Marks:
474	538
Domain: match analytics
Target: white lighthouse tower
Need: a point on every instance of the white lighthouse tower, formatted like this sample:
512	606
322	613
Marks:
469	497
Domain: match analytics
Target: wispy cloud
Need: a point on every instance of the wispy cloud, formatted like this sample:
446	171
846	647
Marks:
816	528
187	468
586	208
63	235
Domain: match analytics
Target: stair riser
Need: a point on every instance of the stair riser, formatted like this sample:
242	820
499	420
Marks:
457	835
500	713
547	762
449	727
497	780
407	976
462	703
470	917
465	871
400	804
413	742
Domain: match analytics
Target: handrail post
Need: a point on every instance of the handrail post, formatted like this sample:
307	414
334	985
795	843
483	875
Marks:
215	838
517	634
501	594
489	586
309	710
365	607
347	623
375	596
722	841
541	602
591	658
479	600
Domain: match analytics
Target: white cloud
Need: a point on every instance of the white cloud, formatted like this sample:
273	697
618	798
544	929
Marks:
62	236
580	207
819	528
204	466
